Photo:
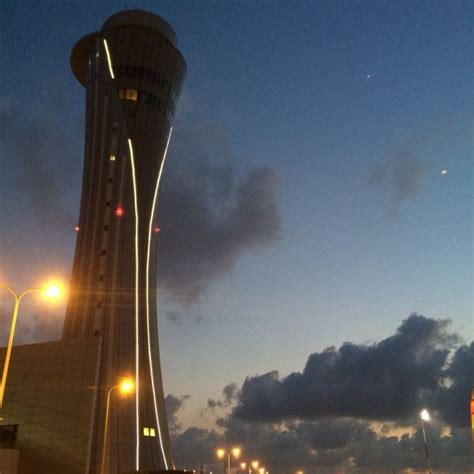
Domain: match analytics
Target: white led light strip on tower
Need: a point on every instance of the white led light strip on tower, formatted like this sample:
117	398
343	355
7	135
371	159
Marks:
137	346
109	60
147	276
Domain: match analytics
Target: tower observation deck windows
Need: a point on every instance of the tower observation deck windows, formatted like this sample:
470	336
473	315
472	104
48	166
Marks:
146	75
131	94
147	98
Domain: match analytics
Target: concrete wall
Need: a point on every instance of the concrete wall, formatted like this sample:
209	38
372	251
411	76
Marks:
51	392
9	461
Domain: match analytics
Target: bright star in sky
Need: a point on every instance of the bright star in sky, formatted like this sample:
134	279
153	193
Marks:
444	171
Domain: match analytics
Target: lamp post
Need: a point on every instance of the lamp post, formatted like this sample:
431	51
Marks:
222	453
425	416
126	387
51	291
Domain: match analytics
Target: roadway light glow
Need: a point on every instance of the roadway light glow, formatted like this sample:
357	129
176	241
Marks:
255	464
425	416
220	453
236	452
53	291
126	387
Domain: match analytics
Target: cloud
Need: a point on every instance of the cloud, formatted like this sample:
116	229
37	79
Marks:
210	213
352	408
388	380
229	395
401	175
453	400
173	405
31	327
175	317
196	446
41	162
328	445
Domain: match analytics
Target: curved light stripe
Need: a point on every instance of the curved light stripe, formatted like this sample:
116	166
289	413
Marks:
137	365
109	60
147	289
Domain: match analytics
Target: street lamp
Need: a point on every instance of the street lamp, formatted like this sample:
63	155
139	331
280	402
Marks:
126	388
425	416
52	290
222	453
249	465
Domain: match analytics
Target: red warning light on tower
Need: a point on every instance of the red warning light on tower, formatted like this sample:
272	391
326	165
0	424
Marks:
77	228
156	229
119	212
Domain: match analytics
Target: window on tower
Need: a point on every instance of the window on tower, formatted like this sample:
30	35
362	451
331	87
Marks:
131	94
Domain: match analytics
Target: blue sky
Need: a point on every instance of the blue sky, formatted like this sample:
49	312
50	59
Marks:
357	106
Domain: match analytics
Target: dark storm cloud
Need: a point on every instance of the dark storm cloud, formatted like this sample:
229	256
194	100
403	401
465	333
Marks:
401	175
229	395
327	445
448	452
288	424
173	405
210	212
196	446
452	400
383	381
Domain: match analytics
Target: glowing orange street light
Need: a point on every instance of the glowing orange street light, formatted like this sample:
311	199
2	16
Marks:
126	387
221	454
52	290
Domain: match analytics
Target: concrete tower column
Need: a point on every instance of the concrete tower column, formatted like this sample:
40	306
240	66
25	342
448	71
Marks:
132	72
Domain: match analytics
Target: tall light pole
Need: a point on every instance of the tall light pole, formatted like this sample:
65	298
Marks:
126	388
425	416
51	291
222	453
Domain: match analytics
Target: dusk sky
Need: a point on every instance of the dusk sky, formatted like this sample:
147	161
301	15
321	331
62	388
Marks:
319	190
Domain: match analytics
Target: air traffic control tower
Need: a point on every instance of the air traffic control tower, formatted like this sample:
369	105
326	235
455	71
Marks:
132	72
56	398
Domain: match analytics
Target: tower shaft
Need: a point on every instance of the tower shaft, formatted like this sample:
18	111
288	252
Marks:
132	73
